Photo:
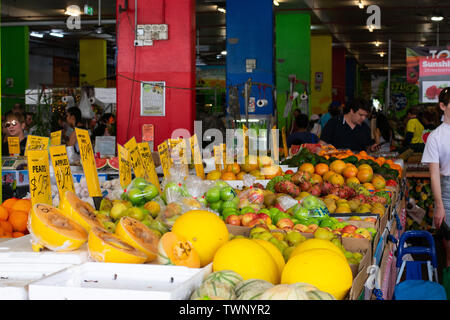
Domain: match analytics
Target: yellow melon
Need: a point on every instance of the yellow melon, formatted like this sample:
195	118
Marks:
204	230
323	268
175	250
274	252
80	211
316	243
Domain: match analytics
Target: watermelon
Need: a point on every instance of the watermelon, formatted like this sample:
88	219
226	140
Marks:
225	276
251	289
114	163
209	290
100	163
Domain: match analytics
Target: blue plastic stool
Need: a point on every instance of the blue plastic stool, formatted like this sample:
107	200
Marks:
414	287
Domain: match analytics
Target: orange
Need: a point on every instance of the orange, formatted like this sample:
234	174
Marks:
365	166
18	220
365	175
337	179
240	175
22	205
363	154
321	168
3	213
327	175
17	234
228	176
337	166
235	168
316	178
352	180
6	226
380	160
8	203
307	167
350	171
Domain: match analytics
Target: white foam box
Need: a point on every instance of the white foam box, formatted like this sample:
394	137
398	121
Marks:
117	281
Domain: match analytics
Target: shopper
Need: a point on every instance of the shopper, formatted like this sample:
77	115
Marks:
437	155
73	118
349	131
334	109
14	126
301	135
383	132
414	131
28	123
295	114
314	124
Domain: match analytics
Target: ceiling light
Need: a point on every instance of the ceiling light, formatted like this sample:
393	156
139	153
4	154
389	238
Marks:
370	28
56	34
73	10
36	34
360	4
275	2
224	52
382	54
437	18
377	44
220	9
218	56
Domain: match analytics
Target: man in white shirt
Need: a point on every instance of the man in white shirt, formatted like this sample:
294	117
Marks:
437	155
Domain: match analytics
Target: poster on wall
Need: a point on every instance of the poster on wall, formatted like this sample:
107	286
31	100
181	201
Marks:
434	75
413	56
153	98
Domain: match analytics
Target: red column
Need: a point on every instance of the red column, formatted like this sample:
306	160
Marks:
172	61
338	70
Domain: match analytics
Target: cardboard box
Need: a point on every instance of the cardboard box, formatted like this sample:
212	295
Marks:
238	230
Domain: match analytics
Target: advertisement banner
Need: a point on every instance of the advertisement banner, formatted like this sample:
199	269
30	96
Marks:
413	56
434	67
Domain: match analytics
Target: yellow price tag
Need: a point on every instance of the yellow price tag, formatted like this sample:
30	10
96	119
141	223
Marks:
55	138
285	148
61	166
36	143
198	161
39	175
147	159
124	166
218	157
163	150
14	146
135	158
88	162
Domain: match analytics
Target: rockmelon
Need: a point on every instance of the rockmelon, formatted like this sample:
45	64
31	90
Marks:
176	250
247	258
80	211
205	230
312	291
251	289
139	236
284	292
104	246
274	252
316	243
50	228
225	276
323	268
214	291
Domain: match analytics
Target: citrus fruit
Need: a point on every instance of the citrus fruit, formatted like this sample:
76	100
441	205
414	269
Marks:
307	167
336	179
337	166
326	176
213	175
364	175
316	178
353	180
321	168
350	171
228	176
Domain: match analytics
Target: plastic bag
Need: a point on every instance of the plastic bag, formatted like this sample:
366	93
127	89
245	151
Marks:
139	192
286	202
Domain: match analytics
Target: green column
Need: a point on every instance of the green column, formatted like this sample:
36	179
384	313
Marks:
14	51
293	54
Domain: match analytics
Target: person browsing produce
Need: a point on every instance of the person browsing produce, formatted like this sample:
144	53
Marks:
14	126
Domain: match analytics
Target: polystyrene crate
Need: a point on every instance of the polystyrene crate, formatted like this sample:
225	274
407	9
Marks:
15	277
18	250
116	281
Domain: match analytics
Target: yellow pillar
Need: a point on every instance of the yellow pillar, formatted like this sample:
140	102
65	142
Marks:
321	74
93	62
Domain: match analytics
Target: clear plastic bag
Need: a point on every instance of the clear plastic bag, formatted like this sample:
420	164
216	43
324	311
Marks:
286	202
140	191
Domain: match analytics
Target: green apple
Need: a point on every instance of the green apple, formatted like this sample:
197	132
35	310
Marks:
216	206
273	211
265	235
372	231
322	233
228	212
213	195
294	238
150	192
228	204
135	213
136	196
139	183
246	210
117	210
227	193
326	223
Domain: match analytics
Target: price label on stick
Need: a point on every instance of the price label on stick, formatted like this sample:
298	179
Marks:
39	175
149	165
163	150
61	166
14	146
135	158
88	162
275	148
285	148
36	143
124	166
55	138
198	161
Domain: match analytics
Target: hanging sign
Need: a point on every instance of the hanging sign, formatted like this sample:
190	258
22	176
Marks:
198	161
149	165
135	158
88	162
61	166
36	143
163	150
39	175
124	166
55	138
14	146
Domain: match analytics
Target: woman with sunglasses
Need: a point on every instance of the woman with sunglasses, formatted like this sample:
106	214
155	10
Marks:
437	155
14	126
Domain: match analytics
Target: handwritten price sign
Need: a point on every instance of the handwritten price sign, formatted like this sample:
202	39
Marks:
39	175
61	166
198	161
14	146
147	159
124	166
36	143
163	150
55	138
135	158
88	162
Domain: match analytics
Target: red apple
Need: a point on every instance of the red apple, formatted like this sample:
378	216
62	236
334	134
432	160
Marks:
370	219
337	231
233	219
312	227
357	235
346	235
265	217
255	222
340	220
285	222
364	232
300	227
349	229
246	218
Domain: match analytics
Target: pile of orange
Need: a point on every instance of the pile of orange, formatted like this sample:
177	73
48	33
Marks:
14	217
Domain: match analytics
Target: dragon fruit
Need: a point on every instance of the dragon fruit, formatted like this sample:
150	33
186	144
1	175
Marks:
287	187
300	177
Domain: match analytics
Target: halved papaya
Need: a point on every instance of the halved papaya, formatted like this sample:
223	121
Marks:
52	229
105	246
80	211
139	236
174	249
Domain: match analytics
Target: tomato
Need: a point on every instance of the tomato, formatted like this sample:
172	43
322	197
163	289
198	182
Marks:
391	183
289	172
